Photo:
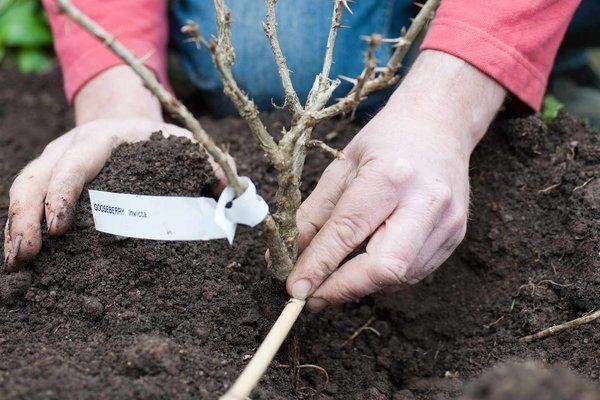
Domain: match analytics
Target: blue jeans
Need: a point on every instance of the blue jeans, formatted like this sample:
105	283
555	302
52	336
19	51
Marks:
303	26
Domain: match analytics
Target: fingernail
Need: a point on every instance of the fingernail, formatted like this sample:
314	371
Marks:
16	245
6	256
301	289
50	221
316	304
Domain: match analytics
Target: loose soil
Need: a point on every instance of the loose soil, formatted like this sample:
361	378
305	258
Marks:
98	316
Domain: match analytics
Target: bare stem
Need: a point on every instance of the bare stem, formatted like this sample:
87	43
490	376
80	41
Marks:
318	144
270	27
553	330
255	369
168	101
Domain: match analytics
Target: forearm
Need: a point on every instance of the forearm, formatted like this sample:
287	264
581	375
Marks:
115	93
450	92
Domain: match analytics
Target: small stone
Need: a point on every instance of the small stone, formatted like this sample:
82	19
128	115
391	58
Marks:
92	307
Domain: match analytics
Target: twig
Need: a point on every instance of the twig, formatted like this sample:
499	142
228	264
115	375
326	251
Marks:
262	358
365	327
549	188
270	27
318	144
168	101
387	75
553	330
221	50
584	184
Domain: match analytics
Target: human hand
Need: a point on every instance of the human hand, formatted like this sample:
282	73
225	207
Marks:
51	184
403	183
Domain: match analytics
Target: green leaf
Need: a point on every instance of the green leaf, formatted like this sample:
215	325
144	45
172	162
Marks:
33	60
4	4
22	25
550	108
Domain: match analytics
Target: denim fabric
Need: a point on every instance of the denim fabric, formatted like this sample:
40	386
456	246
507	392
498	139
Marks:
303	27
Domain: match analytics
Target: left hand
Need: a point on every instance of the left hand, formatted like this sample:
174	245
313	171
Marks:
403	183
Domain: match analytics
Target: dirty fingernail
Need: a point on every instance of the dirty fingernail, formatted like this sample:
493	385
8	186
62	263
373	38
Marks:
316	304
301	289
16	245
6	256
50	221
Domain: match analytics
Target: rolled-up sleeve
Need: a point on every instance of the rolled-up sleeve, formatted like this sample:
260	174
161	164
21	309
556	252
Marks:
513	41
141	25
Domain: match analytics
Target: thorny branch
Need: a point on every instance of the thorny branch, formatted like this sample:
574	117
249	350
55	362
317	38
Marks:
288	156
318	144
270	26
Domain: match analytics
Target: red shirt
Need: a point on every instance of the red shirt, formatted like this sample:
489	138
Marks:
512	41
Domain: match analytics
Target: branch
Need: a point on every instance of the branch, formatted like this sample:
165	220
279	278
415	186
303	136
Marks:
387	75
270	27
318	144
323	87
168	101
223	56
559	328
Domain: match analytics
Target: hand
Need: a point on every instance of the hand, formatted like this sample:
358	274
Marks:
51	184
403	183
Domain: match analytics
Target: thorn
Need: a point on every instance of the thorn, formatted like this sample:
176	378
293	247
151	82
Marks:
420	5
345	4
146	56
348	79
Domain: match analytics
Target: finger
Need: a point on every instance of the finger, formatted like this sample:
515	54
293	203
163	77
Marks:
369	200
389	255
316	209
436	251
77	166
26	206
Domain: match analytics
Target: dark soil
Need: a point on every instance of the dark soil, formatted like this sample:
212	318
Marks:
98	316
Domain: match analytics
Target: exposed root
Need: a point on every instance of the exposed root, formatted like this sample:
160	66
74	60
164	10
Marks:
584	184
533	286
365	327
553	330
549	188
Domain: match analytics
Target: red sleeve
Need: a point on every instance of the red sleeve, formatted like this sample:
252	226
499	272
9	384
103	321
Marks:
512	41
141	25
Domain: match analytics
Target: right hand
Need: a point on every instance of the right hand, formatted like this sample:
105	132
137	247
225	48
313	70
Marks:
111	109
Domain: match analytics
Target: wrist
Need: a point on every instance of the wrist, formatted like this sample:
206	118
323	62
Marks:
446	91
116	93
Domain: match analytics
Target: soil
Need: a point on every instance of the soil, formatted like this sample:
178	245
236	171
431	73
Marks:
99	316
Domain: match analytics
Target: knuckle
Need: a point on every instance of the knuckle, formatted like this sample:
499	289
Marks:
389	270
441	195
343	292
350	231
394	175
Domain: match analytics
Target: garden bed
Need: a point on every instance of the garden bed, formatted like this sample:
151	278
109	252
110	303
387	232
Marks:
99	316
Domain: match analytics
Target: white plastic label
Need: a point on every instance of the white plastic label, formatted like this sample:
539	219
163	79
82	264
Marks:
177	218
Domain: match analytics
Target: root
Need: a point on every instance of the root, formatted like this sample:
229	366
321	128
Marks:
365	327
553	330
